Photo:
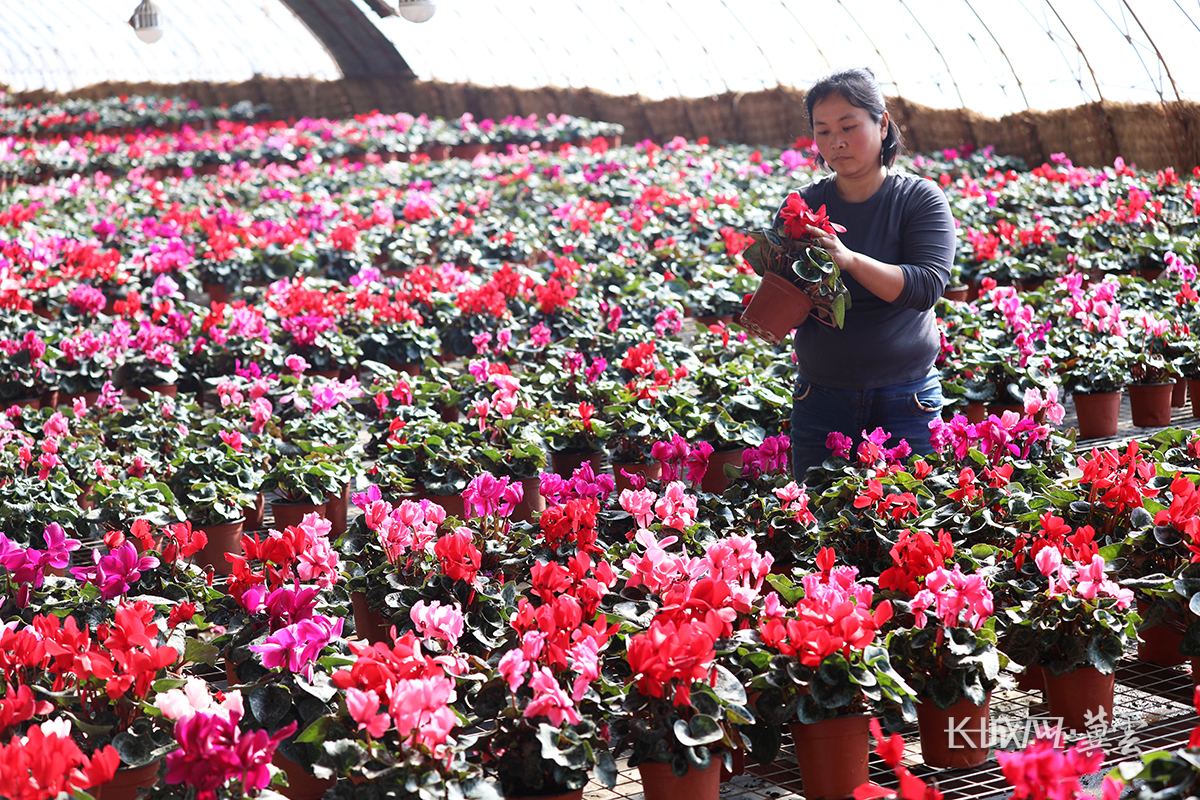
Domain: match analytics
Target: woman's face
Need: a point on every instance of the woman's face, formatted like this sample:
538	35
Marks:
848	139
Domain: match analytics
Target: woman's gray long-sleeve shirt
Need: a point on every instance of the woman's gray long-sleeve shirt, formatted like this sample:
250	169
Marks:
907	223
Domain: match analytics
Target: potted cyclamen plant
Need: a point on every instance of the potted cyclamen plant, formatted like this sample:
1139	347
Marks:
816	665
541	700
798	277
1152	374
21	366
1075	629
396	726
213	485
303	484
949	657
682	711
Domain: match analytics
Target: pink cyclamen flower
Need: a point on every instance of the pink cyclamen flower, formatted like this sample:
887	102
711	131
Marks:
540	335
297	646
438	621
420	708
640	504
296	364
363	707
550	700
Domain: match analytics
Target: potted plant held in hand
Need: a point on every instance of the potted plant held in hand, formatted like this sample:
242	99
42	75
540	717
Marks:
949	657
798	276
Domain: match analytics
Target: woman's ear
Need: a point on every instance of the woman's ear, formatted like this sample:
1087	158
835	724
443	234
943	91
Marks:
884	122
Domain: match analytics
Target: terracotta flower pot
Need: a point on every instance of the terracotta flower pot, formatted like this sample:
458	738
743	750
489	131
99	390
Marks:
955	738
65	399
144	392
532	501
1150	404
659	782
1193	392
222	539
832	756
1079	693
1097	414
126	783
575	795
1033	679
368	623
975	413
715	481
565	464
453	503
704	322
217	293
651	472
301	785
1179	394
23	402
253	514
1160	643
466	151
778	306
336	509
956	293
288	514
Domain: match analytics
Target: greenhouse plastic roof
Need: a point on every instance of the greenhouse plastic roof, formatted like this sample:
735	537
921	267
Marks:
993	57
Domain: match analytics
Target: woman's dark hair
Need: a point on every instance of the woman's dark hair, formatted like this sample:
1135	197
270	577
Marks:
859	87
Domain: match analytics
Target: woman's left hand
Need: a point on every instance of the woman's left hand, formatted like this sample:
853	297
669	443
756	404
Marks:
840	254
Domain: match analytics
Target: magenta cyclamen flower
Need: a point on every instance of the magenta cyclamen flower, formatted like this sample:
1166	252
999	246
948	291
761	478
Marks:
296	646
213	751
114	573
487	495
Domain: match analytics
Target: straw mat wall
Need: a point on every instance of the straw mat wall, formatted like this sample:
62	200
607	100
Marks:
1151	136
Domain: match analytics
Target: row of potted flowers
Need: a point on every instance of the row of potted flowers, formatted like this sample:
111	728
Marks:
655	622
185	150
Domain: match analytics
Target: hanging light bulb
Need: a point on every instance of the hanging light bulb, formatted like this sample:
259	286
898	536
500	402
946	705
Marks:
416	10
147	22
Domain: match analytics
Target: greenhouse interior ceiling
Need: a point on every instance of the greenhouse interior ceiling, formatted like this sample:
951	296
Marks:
993	58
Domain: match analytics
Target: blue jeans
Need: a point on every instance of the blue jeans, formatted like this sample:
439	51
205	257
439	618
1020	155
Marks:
903	409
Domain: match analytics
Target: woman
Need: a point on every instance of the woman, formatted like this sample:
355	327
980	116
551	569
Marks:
894	256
